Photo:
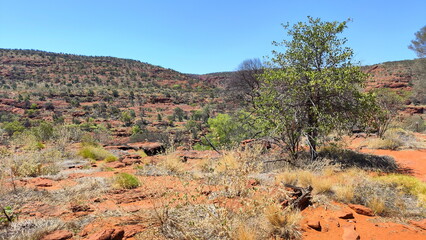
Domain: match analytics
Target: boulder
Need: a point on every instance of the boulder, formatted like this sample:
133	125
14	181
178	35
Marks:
362	210
58	235
314	224
349	233
107	234
345	214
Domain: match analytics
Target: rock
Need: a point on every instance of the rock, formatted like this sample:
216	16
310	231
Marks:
349	233
253	182
345	214
420	224
44	183
314	224
131	161
107	234
58	235
363	210
150	148
115	165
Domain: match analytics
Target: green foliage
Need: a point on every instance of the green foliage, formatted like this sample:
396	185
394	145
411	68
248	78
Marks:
418	45
312	88
127	118
7	215
13	127
179	114
126	181
96	153
408	184
226	130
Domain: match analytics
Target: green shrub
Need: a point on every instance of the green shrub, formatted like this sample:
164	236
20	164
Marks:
96	153
407	183
126	181
111	158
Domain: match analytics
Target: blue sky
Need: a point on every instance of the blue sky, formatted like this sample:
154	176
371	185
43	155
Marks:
193	36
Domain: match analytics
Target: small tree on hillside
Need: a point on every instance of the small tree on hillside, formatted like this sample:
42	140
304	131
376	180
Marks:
418	45
312	88
388	104
244	82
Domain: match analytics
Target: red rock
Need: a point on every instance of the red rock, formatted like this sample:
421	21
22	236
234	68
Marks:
115	165
107	234
58	235
44	183
345	214
349	233
253	182
131	161
420	224
363	210
150	148
314	224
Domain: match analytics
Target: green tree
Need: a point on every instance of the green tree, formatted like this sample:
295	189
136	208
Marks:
418	45
226	130
312	88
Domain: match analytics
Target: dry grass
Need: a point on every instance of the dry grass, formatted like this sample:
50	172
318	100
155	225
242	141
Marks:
227	162
394	139
244	233
30	229
283	223
173	164
344	192
377	204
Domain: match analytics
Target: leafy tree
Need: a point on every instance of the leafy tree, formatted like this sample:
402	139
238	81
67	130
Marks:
179	113
226	130
13	127
312	88
418	45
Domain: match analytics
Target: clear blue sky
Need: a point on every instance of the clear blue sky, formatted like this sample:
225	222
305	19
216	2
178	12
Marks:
202	36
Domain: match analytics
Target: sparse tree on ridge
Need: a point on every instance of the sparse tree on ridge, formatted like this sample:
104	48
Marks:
418	45
244	82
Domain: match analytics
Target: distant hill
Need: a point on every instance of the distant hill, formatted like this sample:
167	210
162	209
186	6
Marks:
34	67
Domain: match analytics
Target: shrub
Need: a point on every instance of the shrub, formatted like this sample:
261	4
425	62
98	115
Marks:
126	181
111	158
406	183
96	153
393	139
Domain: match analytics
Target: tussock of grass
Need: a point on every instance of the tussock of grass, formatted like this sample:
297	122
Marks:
408	184
244	233
173	164
96	153
391	144
283	223
394	139
344	192
377	204
126	181
227	162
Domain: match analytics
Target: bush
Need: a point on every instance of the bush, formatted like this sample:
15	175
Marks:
408	184
126	181
96	153
393	139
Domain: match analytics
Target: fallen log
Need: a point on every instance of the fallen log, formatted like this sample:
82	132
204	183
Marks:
300	198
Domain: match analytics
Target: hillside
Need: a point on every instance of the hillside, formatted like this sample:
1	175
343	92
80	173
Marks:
113	92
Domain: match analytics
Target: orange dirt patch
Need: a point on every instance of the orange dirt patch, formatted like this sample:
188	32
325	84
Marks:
411	161
333	227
